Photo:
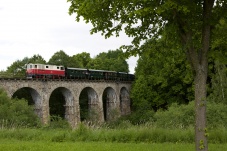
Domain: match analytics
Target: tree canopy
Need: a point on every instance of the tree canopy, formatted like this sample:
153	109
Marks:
163	77
82	58
112	61
60	58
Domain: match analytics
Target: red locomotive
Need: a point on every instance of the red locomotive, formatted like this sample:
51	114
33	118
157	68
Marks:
45	71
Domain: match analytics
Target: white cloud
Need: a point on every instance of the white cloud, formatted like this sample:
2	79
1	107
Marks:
44	27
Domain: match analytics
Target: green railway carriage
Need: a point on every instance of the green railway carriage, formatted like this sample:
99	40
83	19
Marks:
102	75
123	76
76	73
110	75
131	77
96	74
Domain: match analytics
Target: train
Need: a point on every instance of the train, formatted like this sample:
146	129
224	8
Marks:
46	71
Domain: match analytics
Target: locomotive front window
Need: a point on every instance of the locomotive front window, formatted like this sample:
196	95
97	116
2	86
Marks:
30	66
36	66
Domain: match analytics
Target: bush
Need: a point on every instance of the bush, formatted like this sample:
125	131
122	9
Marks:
16	113
140	117
216	115
56	122
177	116
183	116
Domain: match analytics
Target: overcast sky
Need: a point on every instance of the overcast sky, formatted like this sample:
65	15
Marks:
43	27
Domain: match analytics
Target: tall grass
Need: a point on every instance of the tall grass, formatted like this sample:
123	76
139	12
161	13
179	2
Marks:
133	134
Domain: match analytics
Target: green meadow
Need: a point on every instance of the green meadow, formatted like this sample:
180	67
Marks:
134	138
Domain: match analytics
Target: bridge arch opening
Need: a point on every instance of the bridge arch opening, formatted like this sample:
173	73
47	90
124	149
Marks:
109	104
33	98
124	101
61	103
88	101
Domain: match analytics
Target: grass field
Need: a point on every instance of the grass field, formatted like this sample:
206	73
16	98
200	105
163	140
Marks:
134	138
16	145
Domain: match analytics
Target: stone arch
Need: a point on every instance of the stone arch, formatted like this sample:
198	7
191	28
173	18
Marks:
35	96
66	108
109	98
89	105
124	101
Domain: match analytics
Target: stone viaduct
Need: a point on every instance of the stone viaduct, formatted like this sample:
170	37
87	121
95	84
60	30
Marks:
116	93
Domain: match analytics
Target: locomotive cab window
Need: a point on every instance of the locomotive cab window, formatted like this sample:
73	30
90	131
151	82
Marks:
62	68
36	66
47	66
30	66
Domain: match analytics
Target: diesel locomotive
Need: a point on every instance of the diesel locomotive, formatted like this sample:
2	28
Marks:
37	71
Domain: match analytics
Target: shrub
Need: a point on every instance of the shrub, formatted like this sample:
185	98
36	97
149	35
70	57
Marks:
216	115
182	116
140	116
56	122
16	113
177	116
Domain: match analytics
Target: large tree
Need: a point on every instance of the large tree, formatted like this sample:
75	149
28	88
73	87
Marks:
188	22
61	58
82	58
162	76
112	60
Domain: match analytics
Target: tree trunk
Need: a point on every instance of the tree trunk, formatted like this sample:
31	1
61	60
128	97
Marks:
201	69
200	109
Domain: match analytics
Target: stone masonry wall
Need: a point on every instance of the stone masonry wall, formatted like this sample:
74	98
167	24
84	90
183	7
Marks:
117	93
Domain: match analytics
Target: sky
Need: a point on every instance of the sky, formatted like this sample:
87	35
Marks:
44	27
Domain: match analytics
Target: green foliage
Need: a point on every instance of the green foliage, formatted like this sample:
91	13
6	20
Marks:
162	76
57	122
218	55
112	61
146	19
139	116
218	90
182	116
36	59
82	58
177	116
61	58
16	113
216	115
